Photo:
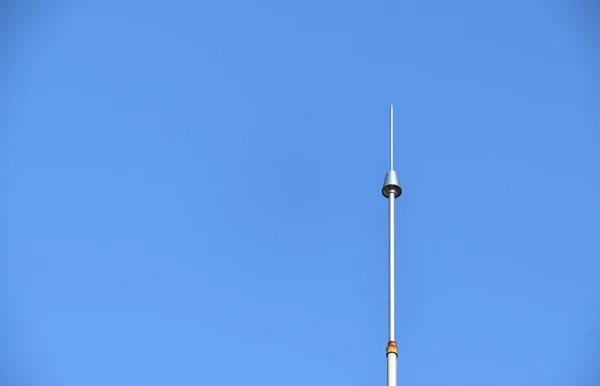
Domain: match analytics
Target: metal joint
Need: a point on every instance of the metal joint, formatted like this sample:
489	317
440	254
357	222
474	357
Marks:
391	183
392	348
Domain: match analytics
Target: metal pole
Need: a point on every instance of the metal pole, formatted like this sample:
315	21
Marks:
392	190
392	197
392	299
391	136
392	356
392	369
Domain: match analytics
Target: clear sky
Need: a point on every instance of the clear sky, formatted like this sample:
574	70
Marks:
193	192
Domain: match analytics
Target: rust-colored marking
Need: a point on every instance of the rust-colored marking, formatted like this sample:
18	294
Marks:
391	348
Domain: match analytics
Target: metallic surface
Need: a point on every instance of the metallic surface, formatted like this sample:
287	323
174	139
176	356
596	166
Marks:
391	183
392	270
392	348
391	189
392	366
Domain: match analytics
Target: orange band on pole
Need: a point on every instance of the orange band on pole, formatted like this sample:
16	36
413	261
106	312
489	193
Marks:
391	348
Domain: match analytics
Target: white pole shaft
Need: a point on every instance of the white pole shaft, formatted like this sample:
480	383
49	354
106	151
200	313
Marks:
392	357
392	349
392	268
391	364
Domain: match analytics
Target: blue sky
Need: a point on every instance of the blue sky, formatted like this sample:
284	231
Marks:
193	192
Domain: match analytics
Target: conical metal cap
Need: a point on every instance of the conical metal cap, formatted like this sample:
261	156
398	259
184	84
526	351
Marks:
391	183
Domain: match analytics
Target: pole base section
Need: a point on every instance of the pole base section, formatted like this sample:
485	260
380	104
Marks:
392	370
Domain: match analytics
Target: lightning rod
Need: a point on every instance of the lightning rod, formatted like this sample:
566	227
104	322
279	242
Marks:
391	190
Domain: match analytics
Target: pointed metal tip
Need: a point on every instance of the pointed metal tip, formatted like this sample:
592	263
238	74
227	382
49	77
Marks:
391	136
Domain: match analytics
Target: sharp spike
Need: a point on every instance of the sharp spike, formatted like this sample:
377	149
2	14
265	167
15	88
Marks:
391	136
